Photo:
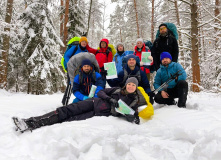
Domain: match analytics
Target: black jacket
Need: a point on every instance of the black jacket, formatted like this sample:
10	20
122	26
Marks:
164	44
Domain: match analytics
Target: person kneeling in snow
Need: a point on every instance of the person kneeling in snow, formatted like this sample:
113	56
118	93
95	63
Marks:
102	106
178	88
84	80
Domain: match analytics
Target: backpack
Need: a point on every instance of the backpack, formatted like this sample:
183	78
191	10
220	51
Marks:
126	76
74	65
109	48
172	30
148	44
72	42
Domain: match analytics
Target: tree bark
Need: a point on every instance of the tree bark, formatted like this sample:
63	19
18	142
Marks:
195	47
65	24
152	23
217	12
62	25
89	18
5	47
135	7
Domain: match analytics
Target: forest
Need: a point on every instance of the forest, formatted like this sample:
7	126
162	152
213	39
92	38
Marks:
34	36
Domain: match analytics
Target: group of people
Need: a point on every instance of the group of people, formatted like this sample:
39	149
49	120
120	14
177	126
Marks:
130	75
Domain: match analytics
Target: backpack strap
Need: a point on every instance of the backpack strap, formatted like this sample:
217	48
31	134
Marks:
81	77
116	59
126	76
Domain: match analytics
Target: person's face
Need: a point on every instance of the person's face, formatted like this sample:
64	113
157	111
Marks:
139	44
163	29
120	48
86	68
103	44
83	43
131	87
131	62
166	61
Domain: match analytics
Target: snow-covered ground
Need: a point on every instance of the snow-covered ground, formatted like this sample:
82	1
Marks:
172	134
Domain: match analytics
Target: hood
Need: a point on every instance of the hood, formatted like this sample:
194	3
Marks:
104	40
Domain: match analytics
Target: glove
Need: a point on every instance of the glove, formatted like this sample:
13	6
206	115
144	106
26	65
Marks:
113	111
104	72
114	103
151	94
85	97
137	120
129	117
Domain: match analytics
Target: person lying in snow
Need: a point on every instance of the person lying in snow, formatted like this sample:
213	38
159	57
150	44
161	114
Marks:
102	106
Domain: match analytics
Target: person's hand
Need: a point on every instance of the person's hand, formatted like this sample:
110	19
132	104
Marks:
150	58
105	72
141	63
113	111
151	94
164	94
129	117
85	97
114	103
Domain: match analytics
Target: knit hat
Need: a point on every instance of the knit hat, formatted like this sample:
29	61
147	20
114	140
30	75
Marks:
131	56
163	24
165	55
86	62
139	40
119	43
132	80
83	39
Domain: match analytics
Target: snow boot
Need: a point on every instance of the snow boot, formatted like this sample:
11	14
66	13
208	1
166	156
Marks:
36	122
183	98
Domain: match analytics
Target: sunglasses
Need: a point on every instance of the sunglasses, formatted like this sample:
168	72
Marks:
162	28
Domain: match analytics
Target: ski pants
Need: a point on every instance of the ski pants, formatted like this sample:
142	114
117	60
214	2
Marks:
179	91
76	111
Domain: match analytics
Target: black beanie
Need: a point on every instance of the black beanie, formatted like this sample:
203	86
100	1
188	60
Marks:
86	62
163	24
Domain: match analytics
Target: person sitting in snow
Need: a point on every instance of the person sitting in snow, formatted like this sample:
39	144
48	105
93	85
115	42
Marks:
131	69
84	80
103	106
103	55
178	88
81	47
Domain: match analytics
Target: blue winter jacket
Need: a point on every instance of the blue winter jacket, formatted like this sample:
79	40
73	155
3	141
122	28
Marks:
118	82
118	60
164	73
83	89
69	54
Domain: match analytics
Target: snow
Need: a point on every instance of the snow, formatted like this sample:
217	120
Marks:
173	133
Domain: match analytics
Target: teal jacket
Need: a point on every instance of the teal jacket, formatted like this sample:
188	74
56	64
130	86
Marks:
164	73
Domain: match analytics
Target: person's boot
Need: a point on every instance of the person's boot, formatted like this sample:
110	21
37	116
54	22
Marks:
44	120
183	98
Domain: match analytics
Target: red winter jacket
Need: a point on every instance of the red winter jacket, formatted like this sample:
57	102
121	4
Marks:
139	53
101	55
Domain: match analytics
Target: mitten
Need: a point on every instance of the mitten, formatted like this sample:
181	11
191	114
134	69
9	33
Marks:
85	97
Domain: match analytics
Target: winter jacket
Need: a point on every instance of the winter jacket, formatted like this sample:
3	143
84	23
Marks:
102	105
139	54
140	75
83	89
164	73
69	53
118	60
103	55
164	44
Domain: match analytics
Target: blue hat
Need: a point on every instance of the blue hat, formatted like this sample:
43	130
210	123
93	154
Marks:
165	55
131	56
86	62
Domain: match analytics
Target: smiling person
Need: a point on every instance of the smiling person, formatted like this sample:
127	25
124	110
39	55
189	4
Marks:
81	47
166	42
103	106
178	88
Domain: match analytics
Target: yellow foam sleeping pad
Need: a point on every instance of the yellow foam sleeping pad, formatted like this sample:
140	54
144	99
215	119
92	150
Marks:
148	111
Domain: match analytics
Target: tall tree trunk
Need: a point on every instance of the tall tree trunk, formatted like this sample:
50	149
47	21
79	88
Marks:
5	47
135	7
217	22
89	18
121	40
62	25
65	24
152	23
179	33
195	47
